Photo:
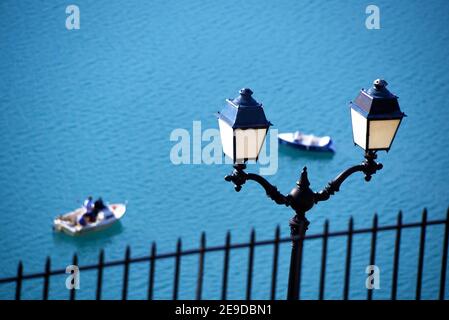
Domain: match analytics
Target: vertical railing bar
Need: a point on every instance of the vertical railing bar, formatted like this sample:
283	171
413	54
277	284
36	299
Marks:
348	259
224	286
199	287
100	274
152	270
19	280
46	279
274	272
72	291
250	265
372	259
177	267
444	257
323	260
422	244
126	273
397	248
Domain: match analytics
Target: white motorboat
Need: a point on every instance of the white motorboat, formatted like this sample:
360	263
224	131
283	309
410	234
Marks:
68	223
307	141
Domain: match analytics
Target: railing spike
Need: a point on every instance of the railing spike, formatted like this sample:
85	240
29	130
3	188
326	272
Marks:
152	271
100	274
203	239
19	280
253	234
277	231
126	273
46	278
177	267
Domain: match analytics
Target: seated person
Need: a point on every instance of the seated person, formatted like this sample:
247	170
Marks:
91	211
88	204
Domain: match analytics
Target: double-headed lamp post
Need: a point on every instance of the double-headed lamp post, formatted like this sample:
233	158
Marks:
375	116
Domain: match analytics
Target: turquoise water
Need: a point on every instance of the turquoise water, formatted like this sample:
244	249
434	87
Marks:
90	111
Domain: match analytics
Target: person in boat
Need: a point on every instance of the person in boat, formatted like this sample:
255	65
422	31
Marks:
92	210
98	206
88	204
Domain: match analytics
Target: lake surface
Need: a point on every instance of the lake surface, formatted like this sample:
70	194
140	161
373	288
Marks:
90	112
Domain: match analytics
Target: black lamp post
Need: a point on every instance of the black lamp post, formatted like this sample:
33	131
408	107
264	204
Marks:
376	116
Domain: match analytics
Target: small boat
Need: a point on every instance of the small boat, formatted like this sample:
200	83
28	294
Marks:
307	141
68	223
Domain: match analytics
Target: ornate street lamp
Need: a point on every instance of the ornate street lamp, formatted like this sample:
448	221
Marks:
243	127
376	117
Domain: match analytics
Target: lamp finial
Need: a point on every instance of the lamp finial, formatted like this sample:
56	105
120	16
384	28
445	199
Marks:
303	181
246	92
379	84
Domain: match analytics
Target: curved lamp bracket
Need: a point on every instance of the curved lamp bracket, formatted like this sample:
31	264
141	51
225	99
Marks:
302	198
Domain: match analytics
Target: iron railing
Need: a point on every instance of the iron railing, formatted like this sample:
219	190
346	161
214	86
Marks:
228	247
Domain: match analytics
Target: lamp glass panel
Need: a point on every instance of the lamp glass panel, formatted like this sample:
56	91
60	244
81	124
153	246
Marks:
249	143
227	138
381	133
359	126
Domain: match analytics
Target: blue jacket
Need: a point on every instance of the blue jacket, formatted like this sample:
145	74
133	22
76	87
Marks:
89	205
